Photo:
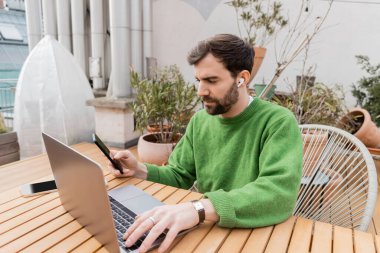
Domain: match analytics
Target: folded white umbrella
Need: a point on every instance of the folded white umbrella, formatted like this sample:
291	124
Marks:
51	96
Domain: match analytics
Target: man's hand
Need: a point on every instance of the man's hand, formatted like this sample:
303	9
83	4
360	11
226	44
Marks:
169	218
131	167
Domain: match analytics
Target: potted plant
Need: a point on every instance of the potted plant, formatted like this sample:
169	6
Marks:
260	19
298	36
314	104
9	147
359	123
317	104
367	94
166	102
362	122
367	90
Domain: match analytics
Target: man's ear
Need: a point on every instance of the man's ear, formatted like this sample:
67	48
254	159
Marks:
244	77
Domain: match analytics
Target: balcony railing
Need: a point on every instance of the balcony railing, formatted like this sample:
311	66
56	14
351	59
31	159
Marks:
7	98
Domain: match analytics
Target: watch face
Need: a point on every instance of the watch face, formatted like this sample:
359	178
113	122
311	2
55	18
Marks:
200	209
198	205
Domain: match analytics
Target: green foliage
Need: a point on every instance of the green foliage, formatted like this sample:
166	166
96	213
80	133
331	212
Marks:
260	19
164	100
367	90
316	104
3	128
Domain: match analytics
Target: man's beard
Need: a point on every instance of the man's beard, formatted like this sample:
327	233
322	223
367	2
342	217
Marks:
222	105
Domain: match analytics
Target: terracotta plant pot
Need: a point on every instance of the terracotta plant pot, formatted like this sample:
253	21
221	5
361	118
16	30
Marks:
368	132
375	152
314	144
258	60
150	151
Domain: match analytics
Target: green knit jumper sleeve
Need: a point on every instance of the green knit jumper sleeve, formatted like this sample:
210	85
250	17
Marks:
248	166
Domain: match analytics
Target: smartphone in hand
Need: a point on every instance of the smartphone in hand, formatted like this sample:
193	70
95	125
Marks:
38	188
106	152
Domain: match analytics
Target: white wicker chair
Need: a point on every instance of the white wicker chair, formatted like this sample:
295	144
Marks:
339	182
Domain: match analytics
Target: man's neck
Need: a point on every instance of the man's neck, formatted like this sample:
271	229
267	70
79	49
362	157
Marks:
237	108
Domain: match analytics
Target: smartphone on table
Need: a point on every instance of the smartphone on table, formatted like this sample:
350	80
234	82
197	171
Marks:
38	188
106	152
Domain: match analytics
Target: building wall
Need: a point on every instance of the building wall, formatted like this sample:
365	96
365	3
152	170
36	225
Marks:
350	29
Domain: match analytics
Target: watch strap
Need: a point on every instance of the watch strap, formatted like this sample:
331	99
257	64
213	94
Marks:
200	209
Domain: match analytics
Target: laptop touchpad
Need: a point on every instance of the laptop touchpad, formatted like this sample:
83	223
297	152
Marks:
134	198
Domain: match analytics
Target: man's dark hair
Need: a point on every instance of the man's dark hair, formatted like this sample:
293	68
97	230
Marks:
235	54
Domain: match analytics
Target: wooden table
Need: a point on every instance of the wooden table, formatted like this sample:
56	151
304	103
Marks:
39	223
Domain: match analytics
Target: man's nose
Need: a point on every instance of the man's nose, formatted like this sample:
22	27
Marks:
202	89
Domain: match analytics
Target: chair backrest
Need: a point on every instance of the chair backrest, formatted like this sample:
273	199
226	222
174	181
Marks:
339	181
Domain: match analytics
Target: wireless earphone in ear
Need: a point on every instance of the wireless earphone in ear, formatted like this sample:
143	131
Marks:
241	81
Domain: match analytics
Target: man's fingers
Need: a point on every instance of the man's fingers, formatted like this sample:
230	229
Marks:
116	172
169	238
112	153
127	172
145	226
121	155
138	221
155	232
173	218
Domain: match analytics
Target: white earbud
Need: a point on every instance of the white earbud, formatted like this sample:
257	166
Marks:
241	81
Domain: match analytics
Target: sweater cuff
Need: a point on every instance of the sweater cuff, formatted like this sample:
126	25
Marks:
153	173
224	208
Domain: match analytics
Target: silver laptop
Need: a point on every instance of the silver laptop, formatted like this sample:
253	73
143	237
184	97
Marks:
83	194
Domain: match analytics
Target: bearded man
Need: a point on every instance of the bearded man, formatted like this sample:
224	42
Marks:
244	153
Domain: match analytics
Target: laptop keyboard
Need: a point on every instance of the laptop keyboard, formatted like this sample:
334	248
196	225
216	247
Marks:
123	218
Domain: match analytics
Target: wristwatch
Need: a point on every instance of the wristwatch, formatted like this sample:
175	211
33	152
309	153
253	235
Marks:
200	209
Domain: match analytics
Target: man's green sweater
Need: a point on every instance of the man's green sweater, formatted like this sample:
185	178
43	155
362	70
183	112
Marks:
249	166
